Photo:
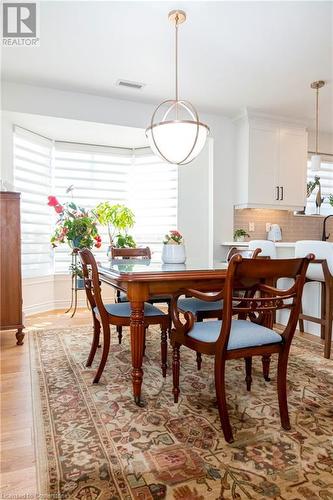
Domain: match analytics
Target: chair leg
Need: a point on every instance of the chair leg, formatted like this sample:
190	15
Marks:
120	333
328	321
282	389
164	349
266	361
175	371
95	342
105	353
222	400
248	371
199	319
323	309
301	321
170	320
199	360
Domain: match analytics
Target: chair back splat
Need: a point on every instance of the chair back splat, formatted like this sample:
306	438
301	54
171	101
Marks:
247	253
92	282
130	253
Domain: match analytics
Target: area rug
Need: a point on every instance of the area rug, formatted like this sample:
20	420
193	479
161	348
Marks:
94	443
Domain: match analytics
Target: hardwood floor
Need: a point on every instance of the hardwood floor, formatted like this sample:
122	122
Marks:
18	472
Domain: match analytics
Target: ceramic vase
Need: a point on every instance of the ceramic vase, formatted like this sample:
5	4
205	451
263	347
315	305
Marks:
173	254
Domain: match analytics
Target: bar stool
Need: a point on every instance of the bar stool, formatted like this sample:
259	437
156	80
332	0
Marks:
268	248
321	271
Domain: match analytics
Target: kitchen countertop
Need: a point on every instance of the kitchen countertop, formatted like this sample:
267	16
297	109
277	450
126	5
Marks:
286	244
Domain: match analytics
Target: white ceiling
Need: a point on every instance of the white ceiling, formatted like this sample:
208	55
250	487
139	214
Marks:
232	54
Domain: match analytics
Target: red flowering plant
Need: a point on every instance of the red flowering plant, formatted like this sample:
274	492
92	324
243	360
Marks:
173	238
75	226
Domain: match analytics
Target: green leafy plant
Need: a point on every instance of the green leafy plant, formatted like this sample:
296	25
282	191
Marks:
311	185
118	219
330	199
76	270
240	233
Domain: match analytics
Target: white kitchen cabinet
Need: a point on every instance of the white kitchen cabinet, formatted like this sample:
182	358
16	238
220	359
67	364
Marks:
292	169
271	164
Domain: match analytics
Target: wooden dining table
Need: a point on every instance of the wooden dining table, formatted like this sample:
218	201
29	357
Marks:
144	279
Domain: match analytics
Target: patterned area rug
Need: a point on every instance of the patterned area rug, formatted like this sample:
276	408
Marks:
100	446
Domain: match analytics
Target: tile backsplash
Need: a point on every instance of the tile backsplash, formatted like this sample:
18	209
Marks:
293	227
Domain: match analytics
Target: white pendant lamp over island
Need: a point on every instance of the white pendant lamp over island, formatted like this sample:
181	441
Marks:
175	132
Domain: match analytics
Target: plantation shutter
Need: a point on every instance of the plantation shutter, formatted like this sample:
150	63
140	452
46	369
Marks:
153	196
97	174
32	178
134	177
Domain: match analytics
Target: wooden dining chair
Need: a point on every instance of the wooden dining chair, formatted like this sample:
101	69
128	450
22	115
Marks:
136	253
118	314
241	338
202	309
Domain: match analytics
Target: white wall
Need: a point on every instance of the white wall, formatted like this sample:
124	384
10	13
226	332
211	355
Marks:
206	186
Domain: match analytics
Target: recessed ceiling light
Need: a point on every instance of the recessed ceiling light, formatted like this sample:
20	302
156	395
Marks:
130	85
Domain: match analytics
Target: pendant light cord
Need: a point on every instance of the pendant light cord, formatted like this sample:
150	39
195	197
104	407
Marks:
176	60
317	118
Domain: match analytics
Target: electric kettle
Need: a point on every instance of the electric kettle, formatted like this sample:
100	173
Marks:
274	233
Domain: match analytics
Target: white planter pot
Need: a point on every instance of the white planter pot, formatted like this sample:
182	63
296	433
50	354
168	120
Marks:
173	254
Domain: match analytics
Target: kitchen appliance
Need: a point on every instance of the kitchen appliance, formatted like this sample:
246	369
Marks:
274	233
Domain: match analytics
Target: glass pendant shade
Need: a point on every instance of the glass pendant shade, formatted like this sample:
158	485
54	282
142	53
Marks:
177	142
178	137
315	162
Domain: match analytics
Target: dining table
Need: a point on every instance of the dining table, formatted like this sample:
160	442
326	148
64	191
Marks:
143	279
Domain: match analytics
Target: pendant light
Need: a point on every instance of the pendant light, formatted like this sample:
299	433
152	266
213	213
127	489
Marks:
316	158
175	132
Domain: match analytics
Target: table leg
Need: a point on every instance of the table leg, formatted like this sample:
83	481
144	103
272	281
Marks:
137	346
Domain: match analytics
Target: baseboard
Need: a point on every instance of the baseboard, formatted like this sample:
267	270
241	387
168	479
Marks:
51	306
38	308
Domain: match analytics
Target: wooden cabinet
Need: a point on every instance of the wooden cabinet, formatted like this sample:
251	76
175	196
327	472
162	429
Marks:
271	164
10	265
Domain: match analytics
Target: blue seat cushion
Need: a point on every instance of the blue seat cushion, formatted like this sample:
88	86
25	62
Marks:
194	305
242	334
123	310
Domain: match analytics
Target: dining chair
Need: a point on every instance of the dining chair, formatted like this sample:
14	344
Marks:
117	314
321	271
241	338
134	253
202	309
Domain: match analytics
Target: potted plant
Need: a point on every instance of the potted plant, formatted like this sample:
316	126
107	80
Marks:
240	234
173	251
76	227
330	199
118	219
